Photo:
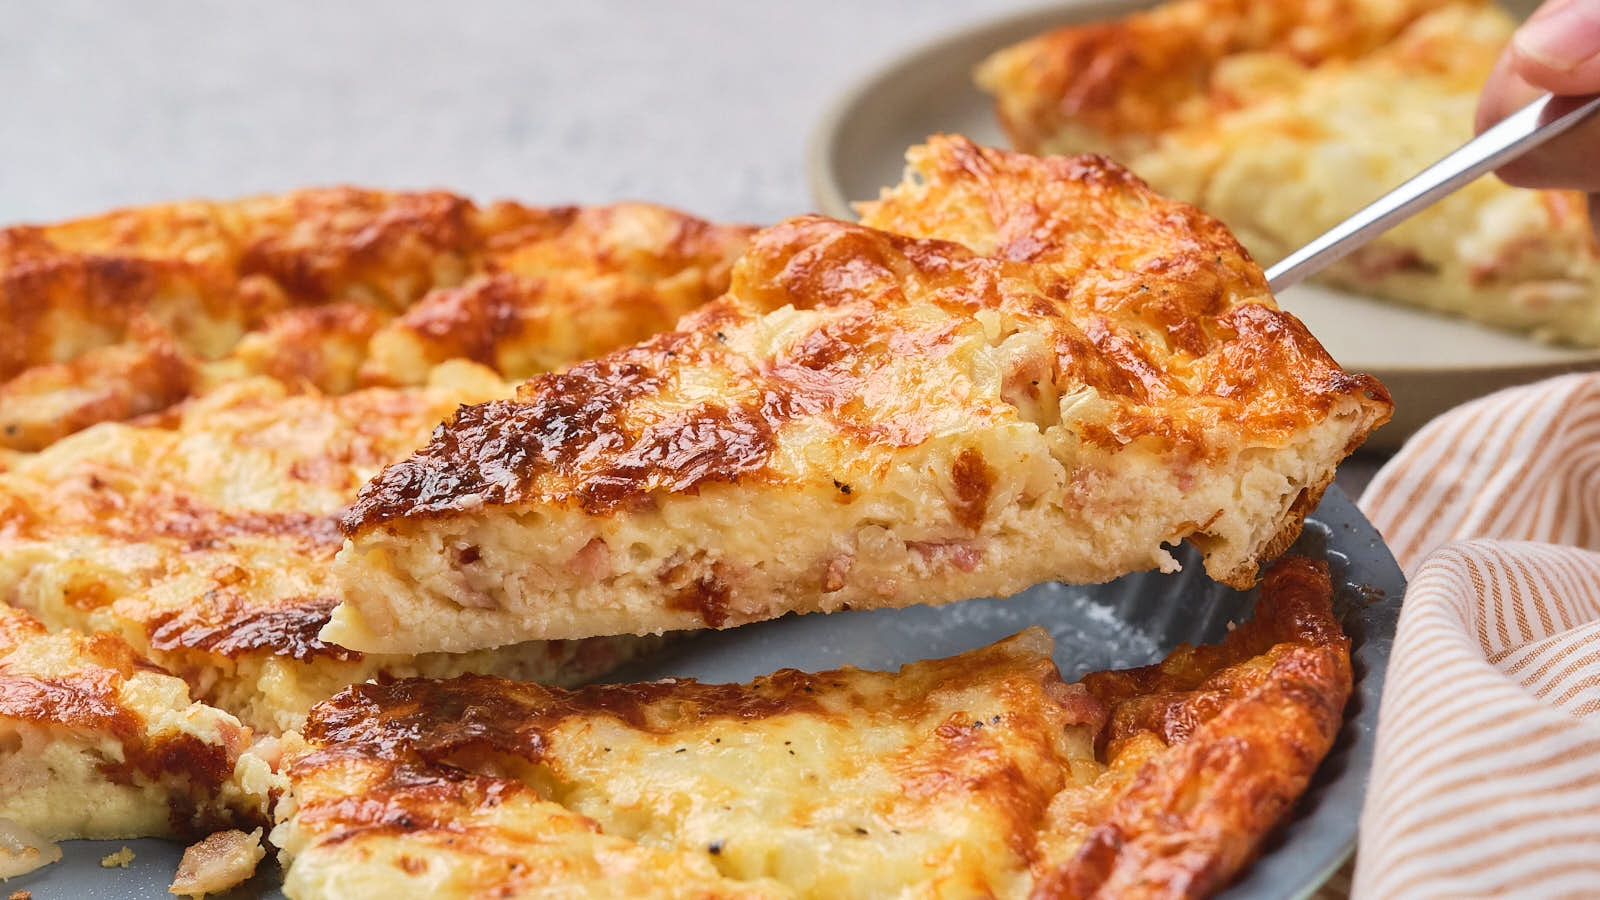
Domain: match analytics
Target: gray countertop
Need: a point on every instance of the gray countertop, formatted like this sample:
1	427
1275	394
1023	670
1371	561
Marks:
704	104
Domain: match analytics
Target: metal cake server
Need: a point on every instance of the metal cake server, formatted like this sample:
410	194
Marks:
1515	135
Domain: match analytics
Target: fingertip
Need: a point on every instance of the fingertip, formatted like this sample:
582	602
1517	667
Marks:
1558	48
1583	78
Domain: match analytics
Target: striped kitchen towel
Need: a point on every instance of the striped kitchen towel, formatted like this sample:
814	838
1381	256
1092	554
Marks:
1487	778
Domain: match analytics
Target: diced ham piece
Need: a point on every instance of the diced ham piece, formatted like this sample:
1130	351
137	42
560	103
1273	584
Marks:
964	555
220	862
593	560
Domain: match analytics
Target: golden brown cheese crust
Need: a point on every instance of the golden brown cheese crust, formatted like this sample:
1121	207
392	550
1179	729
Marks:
1156	782
125	314
579	284
208	272
1149	300
1003	336
88	697
1128	79
1246	724
95	692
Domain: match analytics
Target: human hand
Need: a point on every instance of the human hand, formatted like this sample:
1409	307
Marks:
1557	50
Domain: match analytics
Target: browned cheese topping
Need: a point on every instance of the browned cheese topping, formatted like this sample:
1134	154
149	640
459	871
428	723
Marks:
979	775
125	314
1147	301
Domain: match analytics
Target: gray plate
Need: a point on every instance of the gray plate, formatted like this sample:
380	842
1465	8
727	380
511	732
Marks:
1430	362
1129	622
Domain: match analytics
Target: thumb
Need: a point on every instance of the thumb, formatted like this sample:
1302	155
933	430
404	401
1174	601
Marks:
1558	48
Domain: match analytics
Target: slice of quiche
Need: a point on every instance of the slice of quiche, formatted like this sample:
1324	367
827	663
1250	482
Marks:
1283	117
1015	370
981	775
98	742
207	541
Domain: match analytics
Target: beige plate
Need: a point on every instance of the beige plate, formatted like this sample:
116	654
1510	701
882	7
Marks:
1429	362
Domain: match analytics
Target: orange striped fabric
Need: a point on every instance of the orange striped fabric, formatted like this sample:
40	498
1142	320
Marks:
1487	779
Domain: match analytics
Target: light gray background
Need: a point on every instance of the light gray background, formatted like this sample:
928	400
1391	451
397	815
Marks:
701	104
704	105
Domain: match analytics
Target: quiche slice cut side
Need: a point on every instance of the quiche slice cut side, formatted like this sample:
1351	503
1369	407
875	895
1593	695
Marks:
98	742
1015	370
978	775
1284	117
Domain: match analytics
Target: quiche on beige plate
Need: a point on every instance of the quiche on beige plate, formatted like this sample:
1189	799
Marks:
1283	117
